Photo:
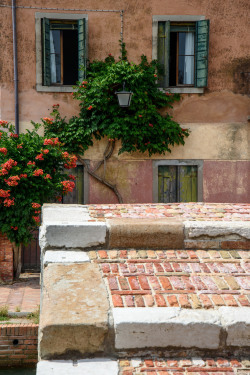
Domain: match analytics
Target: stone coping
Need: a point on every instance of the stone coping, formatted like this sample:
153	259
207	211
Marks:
85	227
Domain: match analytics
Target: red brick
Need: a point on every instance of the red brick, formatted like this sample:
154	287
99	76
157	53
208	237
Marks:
149	300
183	301
172	300
139	301
192	254
114	267
168	267
206	301
103	254
123	254
113	283
154	282
198	282
133	283
143	282
105	268
159	267
117	300
176	283
165	282
129	301
235	363
229	299
243	300
160	300
187	282
177	267
123	283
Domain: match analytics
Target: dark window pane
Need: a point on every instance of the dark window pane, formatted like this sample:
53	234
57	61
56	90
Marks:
70	57
172	60
182	38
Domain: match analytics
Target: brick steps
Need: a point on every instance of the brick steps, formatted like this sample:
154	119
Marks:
117	301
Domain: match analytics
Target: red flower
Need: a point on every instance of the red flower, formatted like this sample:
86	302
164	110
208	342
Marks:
7	166
4	193
72	177
151	125
31	163
71	163
90	107
68	186
36	219
140	115
48	120
155	75
14	228
48	176
58	198
39	157
36	205
12	181
13	135
19	146
51	141
3	150
8	202
55	105
45	151
23	175
3	123
38	172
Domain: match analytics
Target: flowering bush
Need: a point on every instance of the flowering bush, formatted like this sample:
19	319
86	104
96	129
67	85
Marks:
31	173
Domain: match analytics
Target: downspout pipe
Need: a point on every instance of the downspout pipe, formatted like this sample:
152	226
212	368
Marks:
15	66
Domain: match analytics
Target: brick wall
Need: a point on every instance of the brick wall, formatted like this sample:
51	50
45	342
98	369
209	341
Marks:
6	259
18	344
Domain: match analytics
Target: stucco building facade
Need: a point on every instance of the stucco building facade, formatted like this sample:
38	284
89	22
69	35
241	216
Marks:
217	113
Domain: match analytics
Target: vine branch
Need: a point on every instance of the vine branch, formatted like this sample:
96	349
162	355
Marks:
92	172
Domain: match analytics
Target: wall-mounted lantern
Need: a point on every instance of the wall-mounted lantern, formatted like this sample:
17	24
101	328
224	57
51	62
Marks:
124	97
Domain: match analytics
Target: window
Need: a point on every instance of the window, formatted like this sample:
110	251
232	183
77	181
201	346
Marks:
180	44
177	181
61	46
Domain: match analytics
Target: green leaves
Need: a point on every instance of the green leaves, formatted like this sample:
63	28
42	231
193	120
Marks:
140	127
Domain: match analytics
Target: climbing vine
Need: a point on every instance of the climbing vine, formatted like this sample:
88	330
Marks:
139	128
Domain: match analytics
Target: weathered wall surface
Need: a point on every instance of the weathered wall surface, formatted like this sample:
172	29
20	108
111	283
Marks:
217	118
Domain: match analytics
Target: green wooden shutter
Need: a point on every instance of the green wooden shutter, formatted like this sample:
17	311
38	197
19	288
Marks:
46	52
201	52
187	183
82	55
167	188
163	52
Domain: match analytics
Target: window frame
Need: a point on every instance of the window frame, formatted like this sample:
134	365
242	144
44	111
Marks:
174	18
39	47
174	162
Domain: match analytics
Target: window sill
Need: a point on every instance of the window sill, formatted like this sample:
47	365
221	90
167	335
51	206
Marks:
185	90
55	88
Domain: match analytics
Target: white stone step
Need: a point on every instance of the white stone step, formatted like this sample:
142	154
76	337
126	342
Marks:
82	367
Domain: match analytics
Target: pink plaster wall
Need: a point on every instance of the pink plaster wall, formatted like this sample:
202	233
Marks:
229	62
133	180
226	181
